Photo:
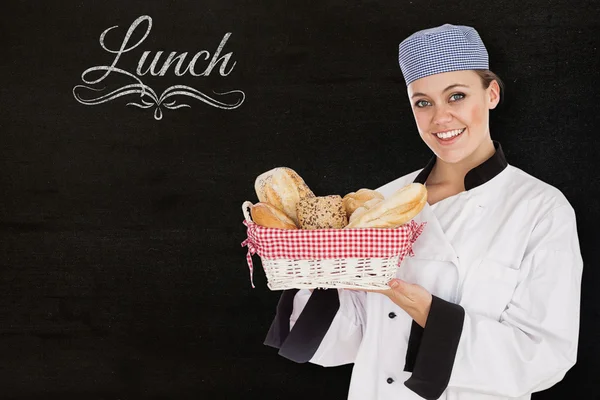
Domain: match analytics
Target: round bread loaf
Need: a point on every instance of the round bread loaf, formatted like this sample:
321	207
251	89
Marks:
322	212
283	188
267	215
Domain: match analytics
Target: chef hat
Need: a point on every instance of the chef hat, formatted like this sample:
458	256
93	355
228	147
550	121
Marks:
444	48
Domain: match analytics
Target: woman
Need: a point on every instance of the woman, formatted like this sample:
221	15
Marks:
489	305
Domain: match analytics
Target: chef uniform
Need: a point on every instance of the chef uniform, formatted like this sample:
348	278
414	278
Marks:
501	260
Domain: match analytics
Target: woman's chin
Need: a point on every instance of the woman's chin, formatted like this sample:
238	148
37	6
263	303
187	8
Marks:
451	156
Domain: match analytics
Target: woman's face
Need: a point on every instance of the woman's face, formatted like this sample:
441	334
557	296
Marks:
452	112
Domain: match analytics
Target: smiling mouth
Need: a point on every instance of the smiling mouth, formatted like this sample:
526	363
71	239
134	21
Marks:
449	134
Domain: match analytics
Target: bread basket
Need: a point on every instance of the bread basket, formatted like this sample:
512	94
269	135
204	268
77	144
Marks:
359	258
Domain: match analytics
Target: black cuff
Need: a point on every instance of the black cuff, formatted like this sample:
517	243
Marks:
280	327
437	349
414	343
310	328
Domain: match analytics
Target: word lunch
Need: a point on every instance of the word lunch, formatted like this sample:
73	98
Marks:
174	64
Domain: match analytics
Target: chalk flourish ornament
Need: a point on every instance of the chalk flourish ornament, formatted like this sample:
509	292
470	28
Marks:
147	93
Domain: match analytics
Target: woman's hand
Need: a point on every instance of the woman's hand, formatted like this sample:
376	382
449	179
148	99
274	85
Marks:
413	299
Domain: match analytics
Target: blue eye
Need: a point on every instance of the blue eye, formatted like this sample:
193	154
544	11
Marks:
454	97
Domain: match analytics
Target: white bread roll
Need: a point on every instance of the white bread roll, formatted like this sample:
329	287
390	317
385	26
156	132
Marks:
365	207
354	200
267	215
398	209
283	188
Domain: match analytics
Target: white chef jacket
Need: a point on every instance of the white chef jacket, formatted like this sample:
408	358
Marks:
503	264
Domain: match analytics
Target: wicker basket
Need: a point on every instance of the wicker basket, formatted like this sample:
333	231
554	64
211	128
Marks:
360	258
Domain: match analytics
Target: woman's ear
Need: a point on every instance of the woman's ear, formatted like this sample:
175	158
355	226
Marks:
493	94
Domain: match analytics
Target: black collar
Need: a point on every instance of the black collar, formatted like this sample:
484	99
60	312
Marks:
478	175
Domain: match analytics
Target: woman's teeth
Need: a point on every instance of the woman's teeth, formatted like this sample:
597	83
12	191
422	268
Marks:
449	134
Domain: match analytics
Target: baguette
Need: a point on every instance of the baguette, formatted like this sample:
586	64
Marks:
398	209
267	215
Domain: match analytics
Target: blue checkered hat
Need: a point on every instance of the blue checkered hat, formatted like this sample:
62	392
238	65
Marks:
444	48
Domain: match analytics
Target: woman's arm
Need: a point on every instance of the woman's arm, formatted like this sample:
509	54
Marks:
535	342
324	327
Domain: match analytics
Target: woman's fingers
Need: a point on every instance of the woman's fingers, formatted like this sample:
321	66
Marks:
402	290
412	298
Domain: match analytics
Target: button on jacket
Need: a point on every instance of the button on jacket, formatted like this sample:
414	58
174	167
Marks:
503	264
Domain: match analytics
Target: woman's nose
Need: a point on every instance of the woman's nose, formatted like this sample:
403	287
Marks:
442	115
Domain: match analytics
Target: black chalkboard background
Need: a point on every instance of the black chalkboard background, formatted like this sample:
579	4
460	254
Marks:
121	270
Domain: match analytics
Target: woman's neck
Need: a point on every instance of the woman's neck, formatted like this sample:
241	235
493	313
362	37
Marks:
453	174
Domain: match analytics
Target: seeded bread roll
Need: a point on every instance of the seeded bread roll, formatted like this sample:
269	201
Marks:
267	215
322	212
354	200
283	188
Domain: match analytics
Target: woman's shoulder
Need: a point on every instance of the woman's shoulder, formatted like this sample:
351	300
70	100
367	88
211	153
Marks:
531	187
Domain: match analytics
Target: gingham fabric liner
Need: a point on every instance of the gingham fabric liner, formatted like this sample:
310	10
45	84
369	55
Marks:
305	244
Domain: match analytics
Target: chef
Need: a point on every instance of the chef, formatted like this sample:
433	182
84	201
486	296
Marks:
488	306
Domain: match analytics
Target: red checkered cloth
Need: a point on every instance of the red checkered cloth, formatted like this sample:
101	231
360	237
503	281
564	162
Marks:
315	244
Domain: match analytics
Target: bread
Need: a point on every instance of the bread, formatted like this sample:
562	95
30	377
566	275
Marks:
322	212
267	215
366	206
398	209
354	200
283	188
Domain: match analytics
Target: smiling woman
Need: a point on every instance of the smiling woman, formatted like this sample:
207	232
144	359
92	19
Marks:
453	120
472	314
